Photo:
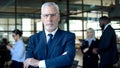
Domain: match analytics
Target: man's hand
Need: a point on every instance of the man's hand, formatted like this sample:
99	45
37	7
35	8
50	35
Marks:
31	61
27	63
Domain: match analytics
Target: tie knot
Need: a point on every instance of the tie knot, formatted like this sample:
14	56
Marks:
50	35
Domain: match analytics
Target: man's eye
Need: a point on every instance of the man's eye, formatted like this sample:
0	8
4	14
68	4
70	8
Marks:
46	15
51	15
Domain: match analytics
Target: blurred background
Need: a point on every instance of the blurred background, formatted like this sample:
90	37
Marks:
76	17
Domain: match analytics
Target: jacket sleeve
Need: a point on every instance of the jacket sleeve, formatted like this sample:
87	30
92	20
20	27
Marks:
29	52
83	45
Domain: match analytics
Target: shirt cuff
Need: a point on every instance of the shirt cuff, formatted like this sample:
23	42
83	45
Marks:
42	64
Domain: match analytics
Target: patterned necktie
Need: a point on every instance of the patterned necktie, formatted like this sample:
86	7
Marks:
49	42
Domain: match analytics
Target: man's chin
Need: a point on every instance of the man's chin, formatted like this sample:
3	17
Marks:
50	29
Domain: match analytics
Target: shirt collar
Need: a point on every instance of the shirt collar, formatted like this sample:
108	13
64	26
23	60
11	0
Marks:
94	39
106	26
53	33
90	41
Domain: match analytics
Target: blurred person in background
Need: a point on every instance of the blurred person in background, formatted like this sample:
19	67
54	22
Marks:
89	49
18	50
4	52
107	47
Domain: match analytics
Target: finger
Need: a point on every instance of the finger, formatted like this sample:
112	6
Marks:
26	63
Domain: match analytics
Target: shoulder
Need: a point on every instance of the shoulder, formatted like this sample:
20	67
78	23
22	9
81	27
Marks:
67	33
97	39
84	43
20	43
109	30
36	34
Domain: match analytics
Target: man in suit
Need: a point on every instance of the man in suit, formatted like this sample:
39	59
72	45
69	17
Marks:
60	53
107	47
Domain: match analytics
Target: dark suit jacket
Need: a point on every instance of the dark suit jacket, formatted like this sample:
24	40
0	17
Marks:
89	57
107	47
63	41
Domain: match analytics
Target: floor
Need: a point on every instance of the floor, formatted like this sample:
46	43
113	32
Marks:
78	58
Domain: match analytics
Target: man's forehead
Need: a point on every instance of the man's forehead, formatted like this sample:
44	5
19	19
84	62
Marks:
47	9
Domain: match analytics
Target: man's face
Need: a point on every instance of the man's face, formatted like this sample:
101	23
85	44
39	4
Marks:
102	23
50	18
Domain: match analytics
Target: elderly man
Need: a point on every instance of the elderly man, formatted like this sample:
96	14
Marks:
51	48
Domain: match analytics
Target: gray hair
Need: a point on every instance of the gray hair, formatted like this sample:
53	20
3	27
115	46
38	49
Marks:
50	4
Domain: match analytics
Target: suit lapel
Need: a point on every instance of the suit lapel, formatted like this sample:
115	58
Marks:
43	37
43	43
56	39
57	36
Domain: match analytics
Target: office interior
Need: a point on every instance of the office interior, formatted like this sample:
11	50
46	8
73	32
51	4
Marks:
76	17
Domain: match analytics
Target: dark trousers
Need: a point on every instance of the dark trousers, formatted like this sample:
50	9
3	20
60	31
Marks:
105	66
90	65
90	62
16	64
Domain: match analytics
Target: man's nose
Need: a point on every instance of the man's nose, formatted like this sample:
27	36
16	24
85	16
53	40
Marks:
49	17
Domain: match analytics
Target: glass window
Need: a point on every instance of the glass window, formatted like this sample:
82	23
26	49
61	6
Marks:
39	26
26	27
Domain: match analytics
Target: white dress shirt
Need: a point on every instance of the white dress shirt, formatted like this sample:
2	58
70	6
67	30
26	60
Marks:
42	62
